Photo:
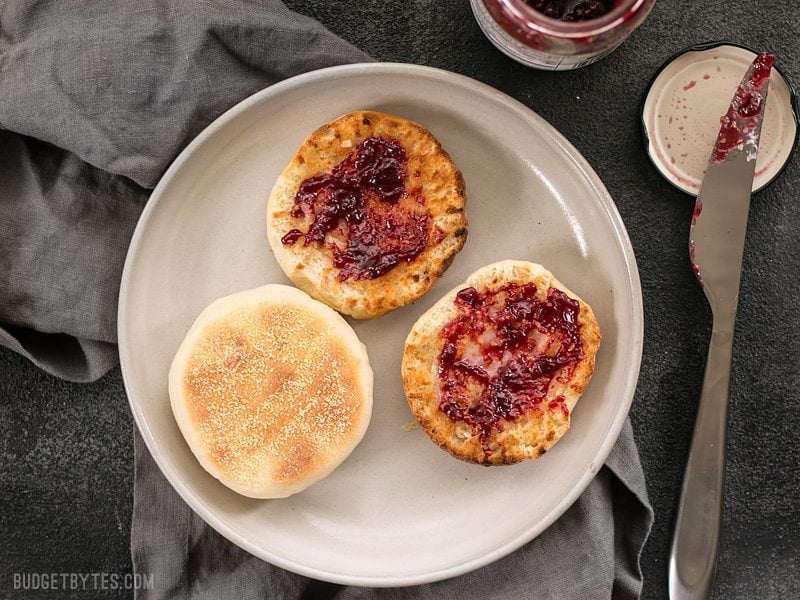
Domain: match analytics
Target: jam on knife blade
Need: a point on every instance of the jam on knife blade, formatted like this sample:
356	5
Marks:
740	124
739	129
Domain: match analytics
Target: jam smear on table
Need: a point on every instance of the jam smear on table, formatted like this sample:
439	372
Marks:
502	352
573	10
745	111
357	213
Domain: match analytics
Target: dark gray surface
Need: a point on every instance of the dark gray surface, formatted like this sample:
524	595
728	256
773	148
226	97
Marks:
66	466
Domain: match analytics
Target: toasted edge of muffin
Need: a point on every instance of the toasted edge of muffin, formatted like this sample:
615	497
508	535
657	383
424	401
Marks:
430	172
533	433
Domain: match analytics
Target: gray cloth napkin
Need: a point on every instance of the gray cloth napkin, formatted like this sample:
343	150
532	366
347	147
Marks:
97	99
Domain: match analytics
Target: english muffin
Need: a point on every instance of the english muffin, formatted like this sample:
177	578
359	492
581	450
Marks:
368	214
272	390
494	369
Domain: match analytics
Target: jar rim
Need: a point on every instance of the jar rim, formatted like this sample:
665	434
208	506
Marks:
533	19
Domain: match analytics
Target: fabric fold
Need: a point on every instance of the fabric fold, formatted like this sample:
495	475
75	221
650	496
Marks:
98	99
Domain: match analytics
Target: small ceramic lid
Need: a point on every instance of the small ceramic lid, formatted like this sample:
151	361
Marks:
688	97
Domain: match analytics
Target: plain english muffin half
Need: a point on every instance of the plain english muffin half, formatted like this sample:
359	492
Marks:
272	390
368	214
494	369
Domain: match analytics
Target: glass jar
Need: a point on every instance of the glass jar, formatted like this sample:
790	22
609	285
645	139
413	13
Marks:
529	37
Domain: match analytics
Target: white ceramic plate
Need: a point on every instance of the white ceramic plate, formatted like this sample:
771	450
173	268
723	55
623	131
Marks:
399	510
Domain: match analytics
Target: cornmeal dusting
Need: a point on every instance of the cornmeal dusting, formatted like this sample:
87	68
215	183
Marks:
272	393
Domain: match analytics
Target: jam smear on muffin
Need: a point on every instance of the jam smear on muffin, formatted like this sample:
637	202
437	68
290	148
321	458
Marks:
501	353
356	211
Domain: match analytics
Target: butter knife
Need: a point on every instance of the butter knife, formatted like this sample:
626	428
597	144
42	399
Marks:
716	245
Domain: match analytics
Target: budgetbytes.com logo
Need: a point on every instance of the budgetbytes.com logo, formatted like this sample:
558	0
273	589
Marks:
81	581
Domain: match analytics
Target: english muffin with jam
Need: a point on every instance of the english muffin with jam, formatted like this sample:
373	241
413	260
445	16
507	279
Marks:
272	390
494	369
368	214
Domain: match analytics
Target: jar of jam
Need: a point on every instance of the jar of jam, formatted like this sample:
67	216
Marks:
559	34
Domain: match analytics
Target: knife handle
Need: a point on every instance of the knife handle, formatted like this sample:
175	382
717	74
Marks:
695	543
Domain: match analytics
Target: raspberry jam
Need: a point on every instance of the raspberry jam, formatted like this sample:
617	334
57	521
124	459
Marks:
502	352
557	35
572	10
357	212
745	111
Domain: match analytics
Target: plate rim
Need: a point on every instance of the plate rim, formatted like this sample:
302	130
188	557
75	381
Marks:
605	203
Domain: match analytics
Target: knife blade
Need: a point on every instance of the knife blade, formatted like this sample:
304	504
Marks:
716	246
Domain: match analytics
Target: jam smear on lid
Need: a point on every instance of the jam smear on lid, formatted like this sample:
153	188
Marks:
502	352
356	211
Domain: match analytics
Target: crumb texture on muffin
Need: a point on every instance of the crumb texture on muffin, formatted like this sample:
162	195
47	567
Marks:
494	369
368	214
272	390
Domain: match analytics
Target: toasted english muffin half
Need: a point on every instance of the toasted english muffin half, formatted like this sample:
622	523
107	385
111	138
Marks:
272	390
368	214
494	369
